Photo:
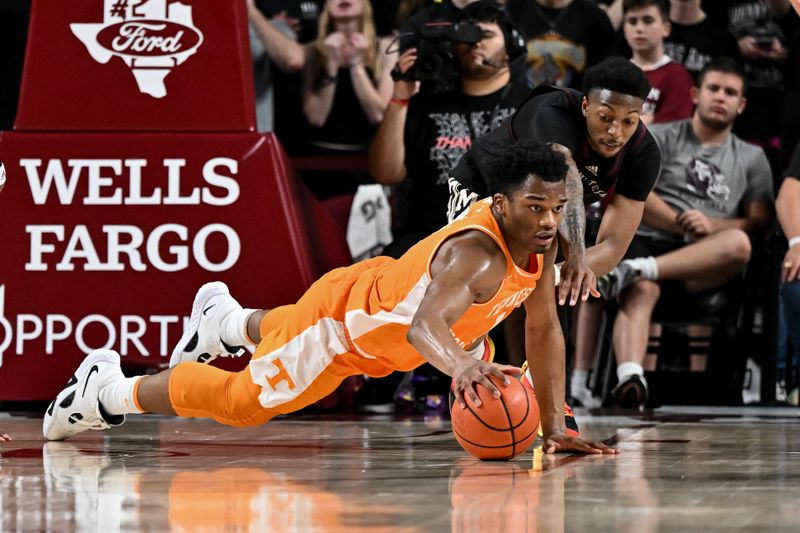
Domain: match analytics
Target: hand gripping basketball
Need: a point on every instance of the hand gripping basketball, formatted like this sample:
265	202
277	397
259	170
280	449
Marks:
470	372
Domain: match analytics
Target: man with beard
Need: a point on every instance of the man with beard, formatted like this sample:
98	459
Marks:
713	195
422	136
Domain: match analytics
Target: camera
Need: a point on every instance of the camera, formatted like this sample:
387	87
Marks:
435	62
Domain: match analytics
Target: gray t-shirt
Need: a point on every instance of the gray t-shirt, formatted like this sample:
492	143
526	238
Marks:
262	76
716	180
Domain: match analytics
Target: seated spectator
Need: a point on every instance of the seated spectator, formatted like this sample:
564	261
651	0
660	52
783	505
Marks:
646	24
423	136
696	39
762	29
272	43
346	87
787	206
565	37
714	193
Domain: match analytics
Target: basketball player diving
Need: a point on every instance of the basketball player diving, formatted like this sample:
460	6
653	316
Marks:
434	304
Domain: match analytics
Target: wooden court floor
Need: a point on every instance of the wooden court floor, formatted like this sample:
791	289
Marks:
681	469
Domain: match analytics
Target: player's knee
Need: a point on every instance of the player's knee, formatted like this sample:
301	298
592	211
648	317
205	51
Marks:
737	249
642	290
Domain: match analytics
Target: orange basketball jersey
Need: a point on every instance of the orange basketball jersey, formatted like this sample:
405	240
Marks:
382	302
355	320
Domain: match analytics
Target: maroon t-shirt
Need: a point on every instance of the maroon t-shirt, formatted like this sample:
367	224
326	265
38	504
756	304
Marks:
669	98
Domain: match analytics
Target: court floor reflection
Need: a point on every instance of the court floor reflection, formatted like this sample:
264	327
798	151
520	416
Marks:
680	470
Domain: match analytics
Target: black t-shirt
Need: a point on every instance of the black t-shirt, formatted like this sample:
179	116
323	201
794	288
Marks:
552	116
347	127
696	45
562	43
439	130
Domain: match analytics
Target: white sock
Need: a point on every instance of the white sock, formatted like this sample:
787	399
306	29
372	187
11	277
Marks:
628	369
118	398
646	266
580	391
233	329
578	380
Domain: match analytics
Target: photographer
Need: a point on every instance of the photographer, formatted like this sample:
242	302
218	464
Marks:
424	136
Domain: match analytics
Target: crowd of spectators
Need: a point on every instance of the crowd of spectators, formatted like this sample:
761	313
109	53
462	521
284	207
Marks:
377	80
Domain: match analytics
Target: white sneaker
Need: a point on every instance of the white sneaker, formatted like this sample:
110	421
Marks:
77	407
201	341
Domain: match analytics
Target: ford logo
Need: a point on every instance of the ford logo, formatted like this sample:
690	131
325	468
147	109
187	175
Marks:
149	38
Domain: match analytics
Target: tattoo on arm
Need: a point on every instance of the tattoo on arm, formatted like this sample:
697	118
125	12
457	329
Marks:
573	225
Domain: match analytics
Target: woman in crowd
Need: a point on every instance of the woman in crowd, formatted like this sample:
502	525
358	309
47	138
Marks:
346	87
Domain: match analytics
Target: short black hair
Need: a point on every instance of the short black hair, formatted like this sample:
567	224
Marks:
616	74
510	169
662	5
728	66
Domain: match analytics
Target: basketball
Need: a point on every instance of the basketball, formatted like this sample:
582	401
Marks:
501	427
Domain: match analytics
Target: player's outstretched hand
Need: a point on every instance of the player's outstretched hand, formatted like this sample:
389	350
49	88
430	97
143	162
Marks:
563	443
4	437
470	372
577	281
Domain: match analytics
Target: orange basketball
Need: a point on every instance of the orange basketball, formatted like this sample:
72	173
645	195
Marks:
501	427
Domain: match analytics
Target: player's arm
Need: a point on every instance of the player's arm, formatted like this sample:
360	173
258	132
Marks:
619	223
659	215
577	277
544	349
467	268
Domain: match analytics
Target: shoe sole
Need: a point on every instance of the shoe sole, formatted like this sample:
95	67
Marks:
630	397
207	291
97	356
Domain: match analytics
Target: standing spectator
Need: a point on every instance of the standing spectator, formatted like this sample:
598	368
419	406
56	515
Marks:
423	136
713	194
346	86
646	24
696	39
788	207
272	43
565	37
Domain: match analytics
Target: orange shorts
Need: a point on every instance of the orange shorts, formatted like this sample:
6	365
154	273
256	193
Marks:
303	356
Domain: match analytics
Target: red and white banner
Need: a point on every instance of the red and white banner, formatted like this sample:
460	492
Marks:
106	237
137	65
